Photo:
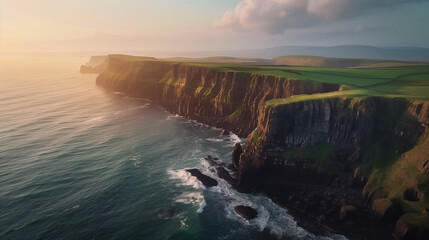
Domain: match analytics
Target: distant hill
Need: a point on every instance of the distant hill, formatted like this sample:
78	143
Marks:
97	64
345	51
223	59
311	61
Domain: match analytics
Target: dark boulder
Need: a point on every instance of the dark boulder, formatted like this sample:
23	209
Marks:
238	150
224	174
206	180
166	213
225	132
246	212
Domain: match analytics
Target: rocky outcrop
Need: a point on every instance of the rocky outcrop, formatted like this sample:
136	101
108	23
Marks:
246	212
204	179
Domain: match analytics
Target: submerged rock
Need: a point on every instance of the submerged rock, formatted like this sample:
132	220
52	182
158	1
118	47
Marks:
166	213
211	160
206	180
246	212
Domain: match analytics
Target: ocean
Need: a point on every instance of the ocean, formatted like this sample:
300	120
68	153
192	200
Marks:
79	162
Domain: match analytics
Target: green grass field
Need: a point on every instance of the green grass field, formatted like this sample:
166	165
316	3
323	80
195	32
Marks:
390	79
405	81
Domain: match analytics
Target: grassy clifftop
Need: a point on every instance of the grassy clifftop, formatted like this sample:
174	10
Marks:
385	79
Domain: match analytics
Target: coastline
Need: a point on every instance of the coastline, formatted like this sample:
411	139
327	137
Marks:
283	154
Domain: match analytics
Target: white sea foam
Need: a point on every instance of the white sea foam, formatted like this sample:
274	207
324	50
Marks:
202	205
234	138
186	178
190	198
214	139
270	217
171	116
146	105
136	160
183	223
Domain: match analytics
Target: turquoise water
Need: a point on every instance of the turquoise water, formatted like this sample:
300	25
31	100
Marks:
78	162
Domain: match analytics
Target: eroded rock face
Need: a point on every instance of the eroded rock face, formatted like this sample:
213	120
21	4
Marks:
246	212
347	126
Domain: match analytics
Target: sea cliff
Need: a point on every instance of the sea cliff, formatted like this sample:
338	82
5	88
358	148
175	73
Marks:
223	99
355	165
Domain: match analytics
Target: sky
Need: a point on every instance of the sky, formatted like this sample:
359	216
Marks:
141	25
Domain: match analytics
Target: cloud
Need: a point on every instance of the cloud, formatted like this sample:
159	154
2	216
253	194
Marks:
275	16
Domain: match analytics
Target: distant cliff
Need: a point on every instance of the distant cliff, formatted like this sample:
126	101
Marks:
357	165
96	64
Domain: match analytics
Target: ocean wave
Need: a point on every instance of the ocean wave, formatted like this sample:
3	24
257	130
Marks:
235	138
215	139
146	105
271	217
186	179
202	205
193	198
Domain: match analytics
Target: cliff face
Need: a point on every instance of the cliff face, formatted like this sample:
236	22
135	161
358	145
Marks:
321	157
219	98
348	127
135	78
